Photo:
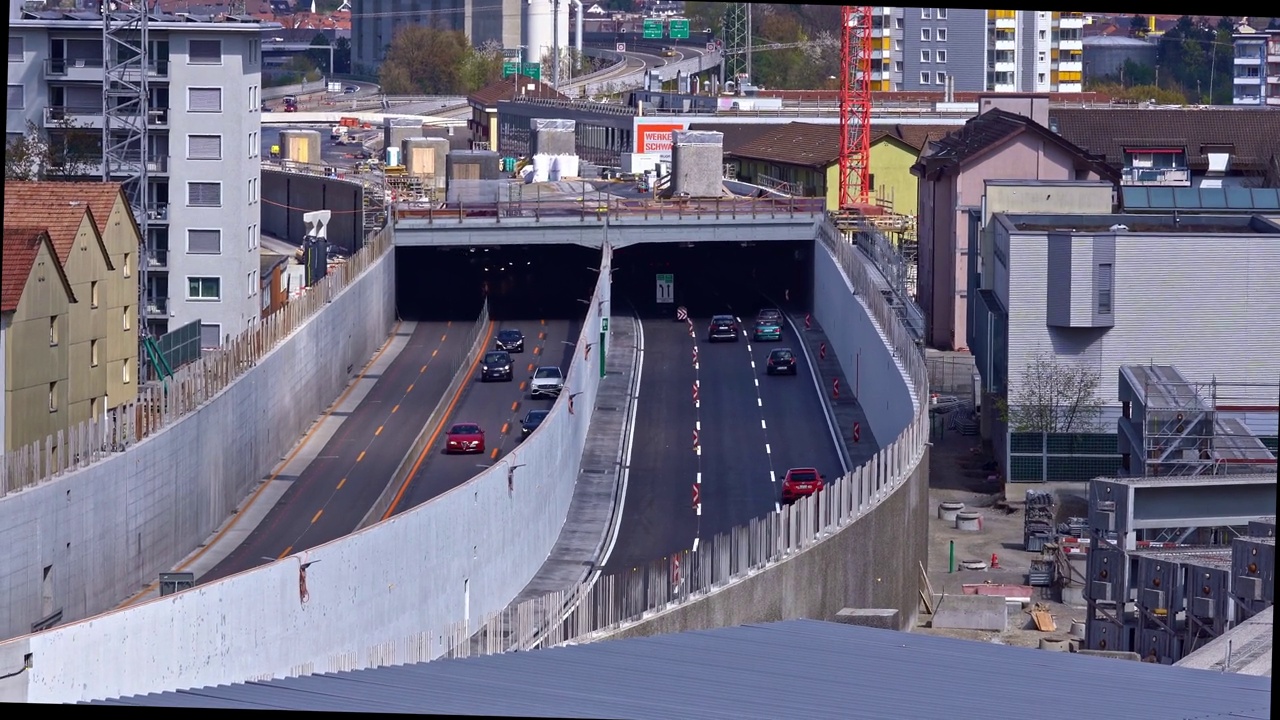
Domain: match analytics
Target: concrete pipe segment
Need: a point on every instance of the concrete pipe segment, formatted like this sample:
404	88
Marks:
947	511
969	521
1054	644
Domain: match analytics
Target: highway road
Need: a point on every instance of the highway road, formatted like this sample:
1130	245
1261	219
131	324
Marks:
333	493
498	407
751	428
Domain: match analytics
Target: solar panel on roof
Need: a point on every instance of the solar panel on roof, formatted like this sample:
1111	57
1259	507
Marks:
1239	197
1213	198
1160	197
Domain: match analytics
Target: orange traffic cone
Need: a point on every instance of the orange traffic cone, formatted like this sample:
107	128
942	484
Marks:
995	562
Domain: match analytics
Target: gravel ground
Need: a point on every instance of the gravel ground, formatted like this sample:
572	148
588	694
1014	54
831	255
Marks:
959	472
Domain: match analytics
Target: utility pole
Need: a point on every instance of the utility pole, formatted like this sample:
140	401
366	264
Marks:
555	42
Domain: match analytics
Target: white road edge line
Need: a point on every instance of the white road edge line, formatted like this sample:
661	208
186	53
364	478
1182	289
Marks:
699	508
697	425
698	479
773	477
767	449
841	450
626	460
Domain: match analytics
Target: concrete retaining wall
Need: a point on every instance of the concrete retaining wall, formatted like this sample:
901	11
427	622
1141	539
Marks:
90	538
863	350
286	196
369	598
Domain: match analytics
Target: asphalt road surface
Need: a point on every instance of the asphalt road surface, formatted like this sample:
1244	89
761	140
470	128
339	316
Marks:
751	429
333	493
496	406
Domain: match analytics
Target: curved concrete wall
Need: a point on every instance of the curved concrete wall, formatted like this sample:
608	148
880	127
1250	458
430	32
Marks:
464	555
870	563
101	533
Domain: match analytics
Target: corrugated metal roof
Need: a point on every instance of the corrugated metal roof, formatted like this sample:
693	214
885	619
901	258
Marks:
794	669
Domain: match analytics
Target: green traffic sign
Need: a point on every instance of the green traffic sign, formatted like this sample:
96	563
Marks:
533	70
679	29
509	69
652	29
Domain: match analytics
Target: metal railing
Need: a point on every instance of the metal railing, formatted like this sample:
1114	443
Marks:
607	604
157	407
601	207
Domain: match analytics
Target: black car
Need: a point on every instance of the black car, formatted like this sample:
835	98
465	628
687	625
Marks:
496	366
510	340
781	361
723	327
531	422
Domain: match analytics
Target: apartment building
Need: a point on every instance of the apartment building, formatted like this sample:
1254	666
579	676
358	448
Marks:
1256	78
202	203
977	50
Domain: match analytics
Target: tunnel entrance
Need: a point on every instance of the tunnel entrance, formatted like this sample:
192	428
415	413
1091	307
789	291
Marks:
523	282
711	278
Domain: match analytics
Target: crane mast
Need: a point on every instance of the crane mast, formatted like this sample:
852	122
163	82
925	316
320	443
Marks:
855	108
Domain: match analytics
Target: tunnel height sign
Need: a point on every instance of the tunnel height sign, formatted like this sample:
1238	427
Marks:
655	138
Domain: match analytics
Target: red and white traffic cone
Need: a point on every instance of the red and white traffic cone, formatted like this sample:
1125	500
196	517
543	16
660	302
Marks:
995	562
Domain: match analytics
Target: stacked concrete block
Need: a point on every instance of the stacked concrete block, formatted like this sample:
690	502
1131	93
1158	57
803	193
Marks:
301	146
697	164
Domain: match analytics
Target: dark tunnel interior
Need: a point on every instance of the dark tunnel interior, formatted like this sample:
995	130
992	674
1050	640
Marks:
546	281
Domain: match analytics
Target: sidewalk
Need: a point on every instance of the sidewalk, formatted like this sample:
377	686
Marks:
588	527
846	410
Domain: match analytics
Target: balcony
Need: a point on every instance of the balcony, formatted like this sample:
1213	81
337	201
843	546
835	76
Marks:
1073	22
157	259
1273	53
1070	67
1248	59
1005	44
1246	100
1167	177
157	306
1071	45
155	70
1006	23
1004	66
158	212
1274	101
74	69
82	116
1248	80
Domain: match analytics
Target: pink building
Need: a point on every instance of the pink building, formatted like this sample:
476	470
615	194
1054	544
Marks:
1008	140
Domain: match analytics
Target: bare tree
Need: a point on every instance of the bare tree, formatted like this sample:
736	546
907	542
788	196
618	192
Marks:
1055	397
65	152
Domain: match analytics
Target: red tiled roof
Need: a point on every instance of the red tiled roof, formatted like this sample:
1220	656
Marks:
21	248
59	207
915	136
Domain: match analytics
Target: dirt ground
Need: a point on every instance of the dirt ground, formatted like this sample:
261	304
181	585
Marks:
960	471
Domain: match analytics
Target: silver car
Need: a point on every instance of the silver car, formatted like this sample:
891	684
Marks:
547	382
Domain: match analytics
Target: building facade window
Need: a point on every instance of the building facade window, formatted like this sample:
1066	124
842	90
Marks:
940	56
204	288
204	194
210	336
1104	284
204	242
93	353
925	56
17	48
924	77
16	99
204	100
924	34
204	52
53	331
204	147
942	34
93	294
53	397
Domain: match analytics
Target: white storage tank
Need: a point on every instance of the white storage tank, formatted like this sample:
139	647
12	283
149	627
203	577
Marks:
538	29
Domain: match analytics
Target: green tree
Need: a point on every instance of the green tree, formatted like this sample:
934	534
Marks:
67	152
425	60
1138	26
318	53
342	56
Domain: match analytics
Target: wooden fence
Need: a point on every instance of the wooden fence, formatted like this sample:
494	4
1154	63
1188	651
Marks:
161	405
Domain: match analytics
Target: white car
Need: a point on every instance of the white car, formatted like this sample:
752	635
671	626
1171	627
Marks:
546	382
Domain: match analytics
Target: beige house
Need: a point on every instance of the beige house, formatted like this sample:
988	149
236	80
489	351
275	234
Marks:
96	241
35	308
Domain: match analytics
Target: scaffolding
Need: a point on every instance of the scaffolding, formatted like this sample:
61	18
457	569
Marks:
125	113
1170	426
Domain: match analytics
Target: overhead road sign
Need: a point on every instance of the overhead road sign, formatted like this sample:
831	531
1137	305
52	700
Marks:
652	29
679	29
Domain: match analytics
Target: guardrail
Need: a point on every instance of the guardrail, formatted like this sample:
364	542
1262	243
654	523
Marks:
190	387
303	88
602	206
596	609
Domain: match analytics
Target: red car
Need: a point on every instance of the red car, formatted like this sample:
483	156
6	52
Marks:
464	437
800	482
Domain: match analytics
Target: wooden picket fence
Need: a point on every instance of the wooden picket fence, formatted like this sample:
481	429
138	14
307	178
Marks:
160	405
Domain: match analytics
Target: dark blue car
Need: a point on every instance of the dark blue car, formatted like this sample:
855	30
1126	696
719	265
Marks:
532	421
510	340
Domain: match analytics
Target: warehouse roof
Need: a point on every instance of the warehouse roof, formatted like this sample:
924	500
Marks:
794	669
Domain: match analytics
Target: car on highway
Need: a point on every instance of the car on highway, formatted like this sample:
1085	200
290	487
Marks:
290	103
768	325
496	365
510	339
531	422
782	361
547	381
464	437
799	483
350	90
669	52
722	327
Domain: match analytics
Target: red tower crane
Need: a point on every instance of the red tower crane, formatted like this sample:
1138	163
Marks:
855	108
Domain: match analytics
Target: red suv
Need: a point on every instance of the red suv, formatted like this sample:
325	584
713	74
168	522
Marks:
800	482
